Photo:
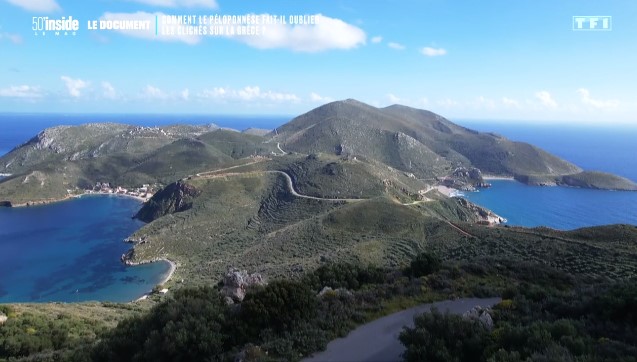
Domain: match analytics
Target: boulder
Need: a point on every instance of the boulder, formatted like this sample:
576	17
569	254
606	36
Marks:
328	291
3	318
483	315
236	282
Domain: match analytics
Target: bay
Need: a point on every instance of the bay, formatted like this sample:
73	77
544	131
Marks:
561	208
70	252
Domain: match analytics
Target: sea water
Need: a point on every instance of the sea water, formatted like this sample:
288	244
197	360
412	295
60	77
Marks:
70	252
609	149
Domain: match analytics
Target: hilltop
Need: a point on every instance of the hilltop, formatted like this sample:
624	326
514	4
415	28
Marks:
422	144
345	181
428	145
344	203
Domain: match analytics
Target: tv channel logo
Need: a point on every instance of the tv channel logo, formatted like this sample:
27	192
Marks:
592	23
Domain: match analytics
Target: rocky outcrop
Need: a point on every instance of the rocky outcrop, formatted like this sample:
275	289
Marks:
483	315
175	197
236	282
3	318
483	216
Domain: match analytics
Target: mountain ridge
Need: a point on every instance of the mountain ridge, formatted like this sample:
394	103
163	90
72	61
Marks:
417	142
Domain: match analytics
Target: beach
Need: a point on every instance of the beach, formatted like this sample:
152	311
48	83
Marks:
448	191
171	271
72	196
494	177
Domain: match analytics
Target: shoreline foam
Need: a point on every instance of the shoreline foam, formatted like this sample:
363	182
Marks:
165	279
494	177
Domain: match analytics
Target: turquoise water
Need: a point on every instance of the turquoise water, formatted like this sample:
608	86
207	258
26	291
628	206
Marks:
69	252
557	207
609	149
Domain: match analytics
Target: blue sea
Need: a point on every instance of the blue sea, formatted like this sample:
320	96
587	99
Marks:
70	251
610	149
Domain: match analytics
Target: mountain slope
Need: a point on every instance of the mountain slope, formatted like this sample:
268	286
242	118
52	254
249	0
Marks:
426	144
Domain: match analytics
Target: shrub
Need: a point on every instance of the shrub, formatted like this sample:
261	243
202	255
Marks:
424	264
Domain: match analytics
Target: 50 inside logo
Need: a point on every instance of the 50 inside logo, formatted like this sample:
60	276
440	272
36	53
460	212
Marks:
65	26
592	23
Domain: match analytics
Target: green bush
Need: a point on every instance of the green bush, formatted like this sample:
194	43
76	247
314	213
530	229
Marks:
444	337
280	305
188	327
424	264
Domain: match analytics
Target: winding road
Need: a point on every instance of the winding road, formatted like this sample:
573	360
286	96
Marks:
211	174
377	341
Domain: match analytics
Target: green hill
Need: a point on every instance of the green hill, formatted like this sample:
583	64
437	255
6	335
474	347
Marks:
426	144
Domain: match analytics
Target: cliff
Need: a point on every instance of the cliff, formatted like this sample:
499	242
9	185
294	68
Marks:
175	197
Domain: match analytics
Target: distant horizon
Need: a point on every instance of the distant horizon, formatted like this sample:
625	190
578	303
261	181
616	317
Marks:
247	116
486	60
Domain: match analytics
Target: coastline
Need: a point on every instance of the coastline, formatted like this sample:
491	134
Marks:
73	196
164	280
448	191
171	271
494	177
140	199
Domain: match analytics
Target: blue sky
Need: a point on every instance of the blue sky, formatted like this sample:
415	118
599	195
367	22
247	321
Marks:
471	59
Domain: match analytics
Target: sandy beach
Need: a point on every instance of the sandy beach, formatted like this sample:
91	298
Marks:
448	191
165	279
140	199
71	196
493	177
173	267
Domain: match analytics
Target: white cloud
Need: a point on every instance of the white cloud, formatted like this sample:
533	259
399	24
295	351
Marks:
447	103
249	93
394	99
433	52
108	90
215	93
36	5
314	97
74	86
546	99
509	102
21	91
151	92
484	102
596	103
185	94
210	4
327	33
377	39
14	38
396	46
150	33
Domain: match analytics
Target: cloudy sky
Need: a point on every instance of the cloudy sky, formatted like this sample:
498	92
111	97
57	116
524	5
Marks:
488	59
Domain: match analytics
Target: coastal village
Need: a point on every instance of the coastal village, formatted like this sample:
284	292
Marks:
144	192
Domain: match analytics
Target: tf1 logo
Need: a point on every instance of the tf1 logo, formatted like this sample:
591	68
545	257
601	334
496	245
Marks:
592	23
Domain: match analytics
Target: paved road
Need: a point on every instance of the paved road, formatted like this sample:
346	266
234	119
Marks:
377	341
213	174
